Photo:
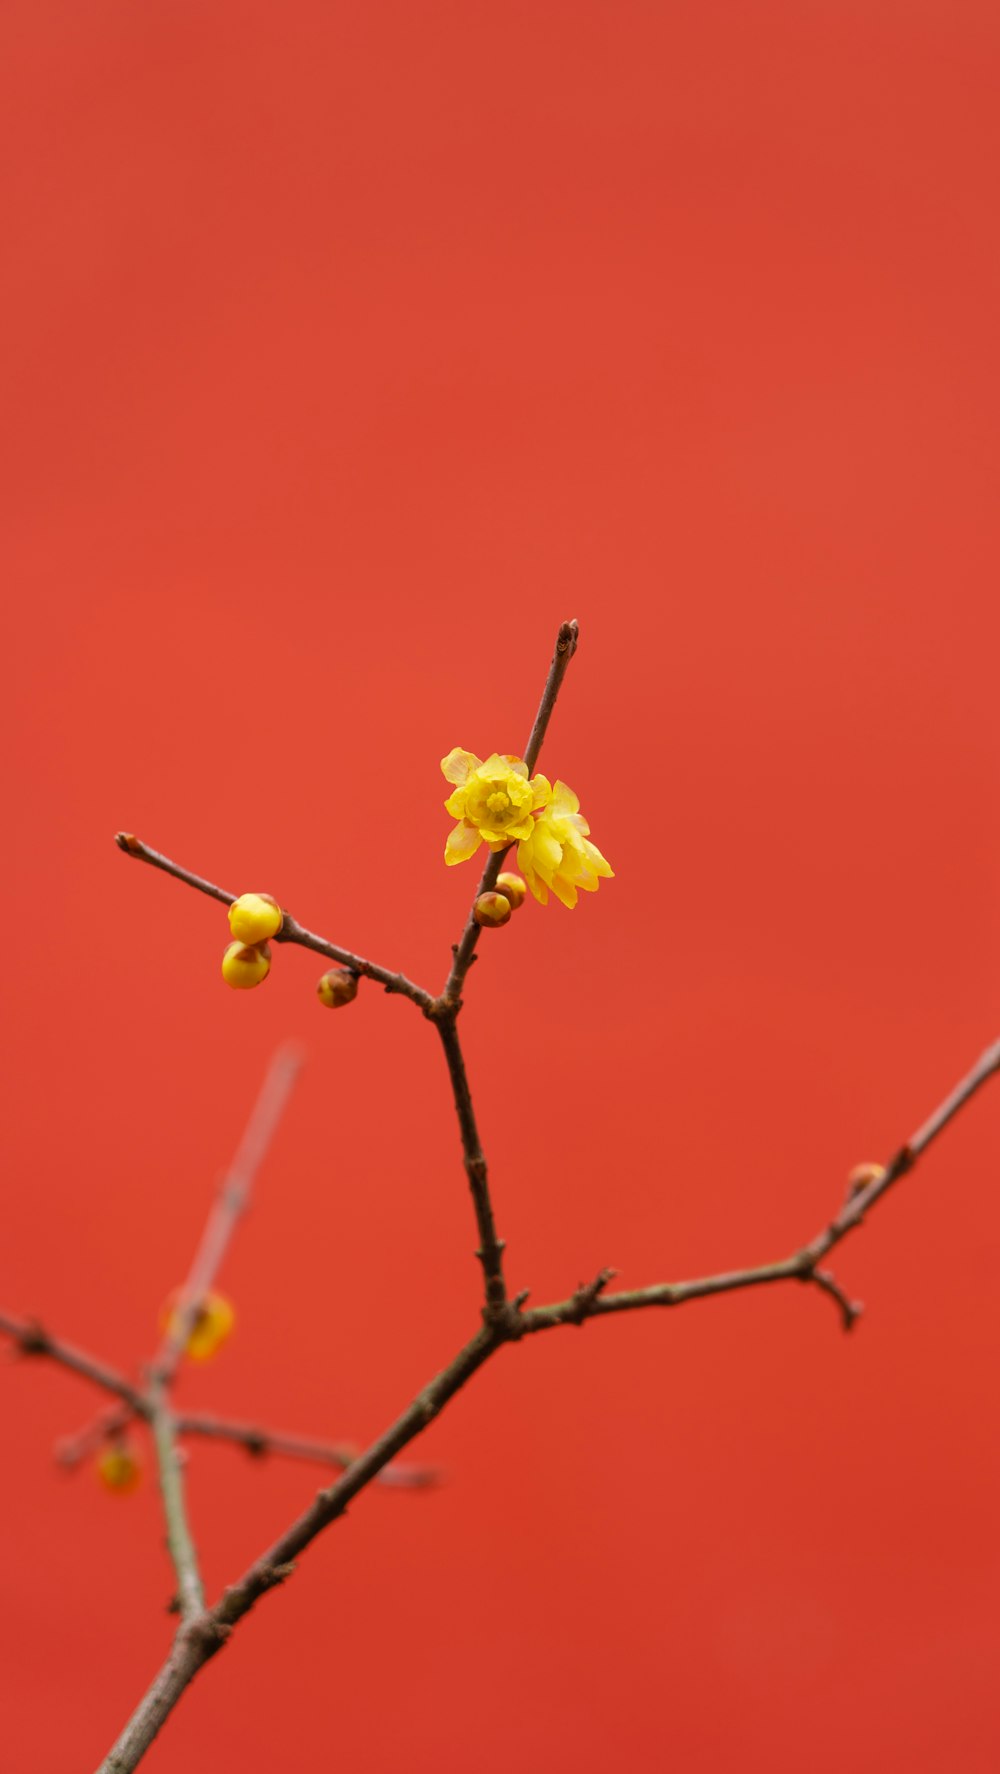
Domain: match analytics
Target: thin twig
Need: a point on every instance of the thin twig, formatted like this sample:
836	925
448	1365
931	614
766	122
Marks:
291	930
33	1339
804	1264
190	1592
491	1247
231	1203
259	1442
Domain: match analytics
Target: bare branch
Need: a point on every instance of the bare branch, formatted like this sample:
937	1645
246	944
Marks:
491	1247
32	1339
261	1442
231	1203
291	930
190	1593
804	1264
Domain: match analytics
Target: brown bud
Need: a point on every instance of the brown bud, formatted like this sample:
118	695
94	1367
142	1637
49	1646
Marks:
127	841
491	910
513	888
339	986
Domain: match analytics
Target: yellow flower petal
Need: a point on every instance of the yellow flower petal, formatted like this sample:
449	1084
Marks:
459	765
564	800
463	841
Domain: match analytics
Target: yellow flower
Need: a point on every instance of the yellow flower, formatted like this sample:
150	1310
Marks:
214	1321
557	853
254	917
119	1469
493	802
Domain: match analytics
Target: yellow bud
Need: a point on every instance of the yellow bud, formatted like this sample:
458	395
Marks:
254	917
338	987
245	967
212	1324
513	888
118	1469
491	910
863	1174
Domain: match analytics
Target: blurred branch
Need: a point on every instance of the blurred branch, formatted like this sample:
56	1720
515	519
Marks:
261	1442
291	930
32	1339
231	1203
190	1592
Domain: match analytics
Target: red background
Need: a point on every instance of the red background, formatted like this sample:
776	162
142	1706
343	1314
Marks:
347	350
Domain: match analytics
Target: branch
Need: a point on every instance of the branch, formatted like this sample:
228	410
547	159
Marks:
32	1339
291	930
491	1247
203	1635
804	1264
260	1442
190	1593
231	1203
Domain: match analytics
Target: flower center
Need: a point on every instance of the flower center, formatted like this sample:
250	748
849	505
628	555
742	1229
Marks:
498	802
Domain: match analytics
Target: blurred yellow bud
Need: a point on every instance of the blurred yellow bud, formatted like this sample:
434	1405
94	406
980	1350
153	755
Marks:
118	1469
513	889
244	967
863	1174
491	910
338	987
212	1324
254	917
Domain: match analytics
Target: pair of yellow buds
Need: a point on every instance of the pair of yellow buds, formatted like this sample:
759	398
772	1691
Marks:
253	919
492	910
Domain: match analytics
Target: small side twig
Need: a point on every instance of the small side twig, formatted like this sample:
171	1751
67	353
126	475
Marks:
32	1339
402	1475
231	1203
804	1264
291	930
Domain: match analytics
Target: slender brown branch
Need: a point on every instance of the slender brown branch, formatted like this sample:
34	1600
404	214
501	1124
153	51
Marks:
260	1442
33	1339
291	930
803	1266
491	1247
231	1203
566	645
